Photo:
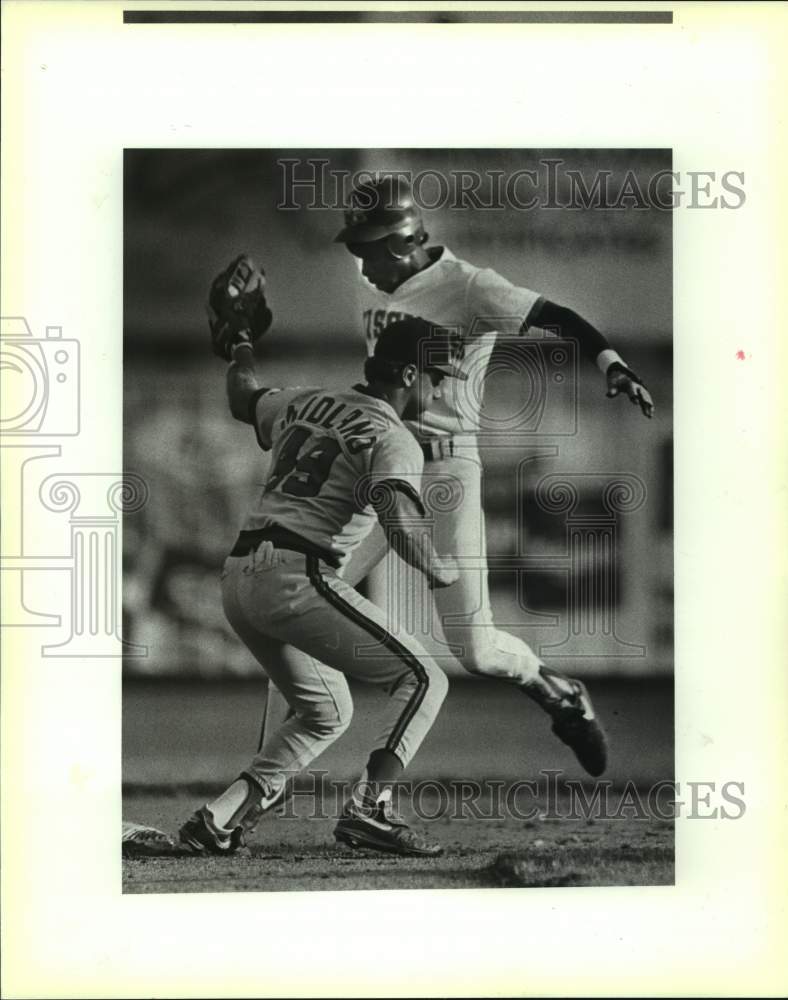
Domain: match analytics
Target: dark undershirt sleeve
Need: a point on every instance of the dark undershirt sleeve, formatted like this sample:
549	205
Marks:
251	417
566	322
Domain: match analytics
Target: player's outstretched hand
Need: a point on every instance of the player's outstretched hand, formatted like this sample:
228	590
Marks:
237	308
623	379
445	572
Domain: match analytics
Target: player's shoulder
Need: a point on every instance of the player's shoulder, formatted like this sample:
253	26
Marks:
379	414
275	398
377	410
282	405
281	392
448	266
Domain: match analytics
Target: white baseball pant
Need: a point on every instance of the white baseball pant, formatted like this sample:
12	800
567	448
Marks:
309	629
452	488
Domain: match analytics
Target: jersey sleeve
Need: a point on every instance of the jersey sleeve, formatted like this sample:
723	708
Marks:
265	406
493	303
397	459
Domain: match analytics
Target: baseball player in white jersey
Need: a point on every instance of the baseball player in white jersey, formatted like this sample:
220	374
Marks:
341	462
403	277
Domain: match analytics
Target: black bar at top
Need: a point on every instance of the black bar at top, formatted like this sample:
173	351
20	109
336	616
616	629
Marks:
397	16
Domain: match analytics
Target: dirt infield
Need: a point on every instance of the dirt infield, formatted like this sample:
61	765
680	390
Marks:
298	853
182	744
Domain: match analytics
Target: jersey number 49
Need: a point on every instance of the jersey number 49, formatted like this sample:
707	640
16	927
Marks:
303	475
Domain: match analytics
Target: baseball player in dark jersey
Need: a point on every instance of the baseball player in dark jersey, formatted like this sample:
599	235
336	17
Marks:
341	462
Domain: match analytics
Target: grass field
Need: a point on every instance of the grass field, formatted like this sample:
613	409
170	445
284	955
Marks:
183	742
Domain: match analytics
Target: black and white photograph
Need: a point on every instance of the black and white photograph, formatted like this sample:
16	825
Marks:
393	484
399	604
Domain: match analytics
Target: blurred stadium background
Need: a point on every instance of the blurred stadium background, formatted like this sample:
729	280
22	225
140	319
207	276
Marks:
188	212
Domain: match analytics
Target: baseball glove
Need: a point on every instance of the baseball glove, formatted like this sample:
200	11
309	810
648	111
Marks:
237	309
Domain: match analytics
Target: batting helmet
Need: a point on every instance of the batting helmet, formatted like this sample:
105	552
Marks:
384	208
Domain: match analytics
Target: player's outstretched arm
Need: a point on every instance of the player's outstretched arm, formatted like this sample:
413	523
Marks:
242	383
620	378
402	521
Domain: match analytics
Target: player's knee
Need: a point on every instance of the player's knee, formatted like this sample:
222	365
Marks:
344	712
329	718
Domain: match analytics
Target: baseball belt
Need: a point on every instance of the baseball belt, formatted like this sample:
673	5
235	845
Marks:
281	538
437	448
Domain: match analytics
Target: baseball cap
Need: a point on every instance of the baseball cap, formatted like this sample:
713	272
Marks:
414	341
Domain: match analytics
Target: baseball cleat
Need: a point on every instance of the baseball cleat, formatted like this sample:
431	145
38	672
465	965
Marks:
380	829
575	723
202	836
